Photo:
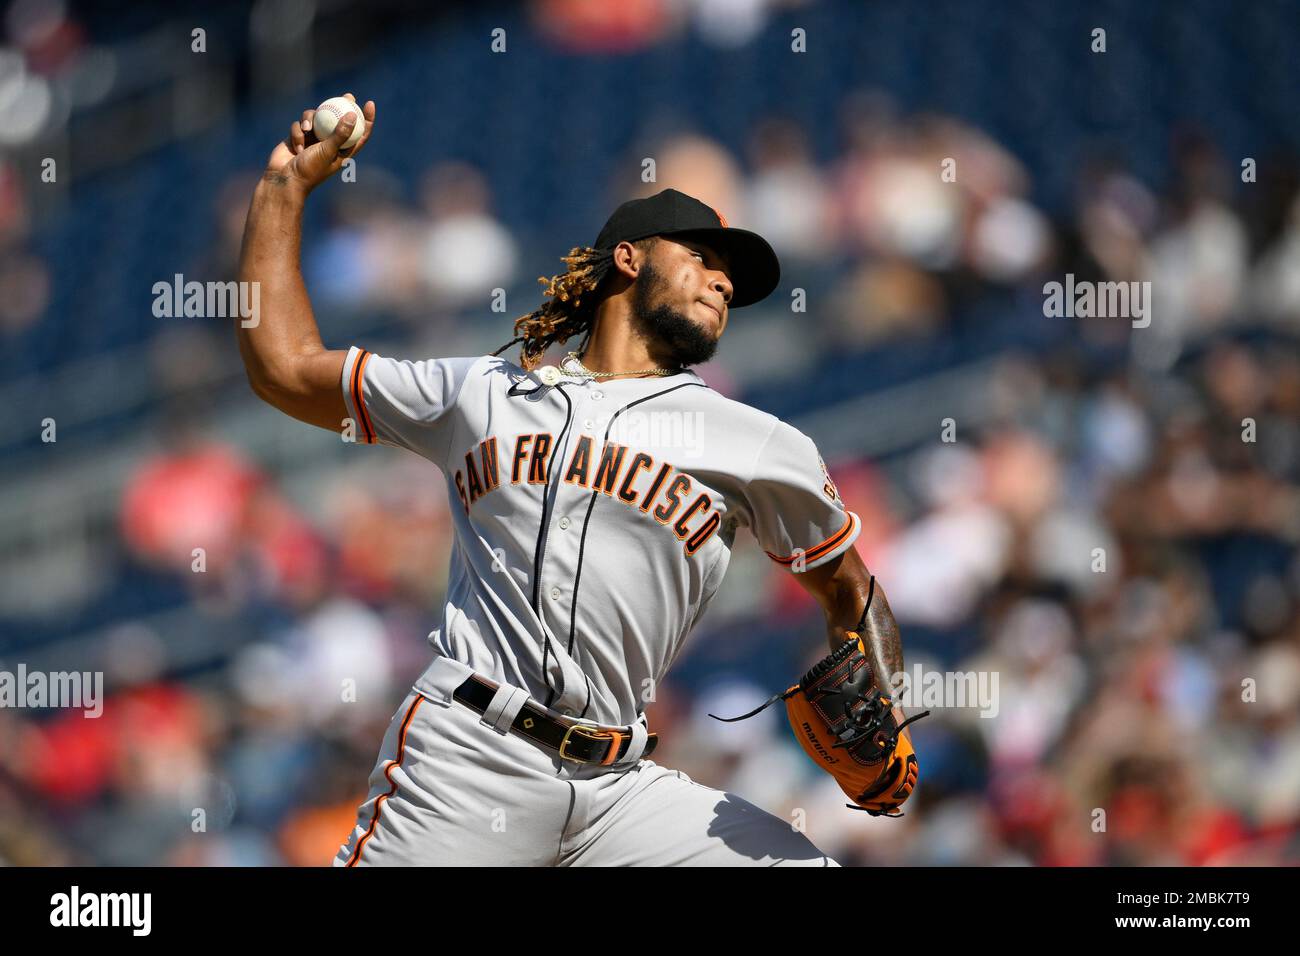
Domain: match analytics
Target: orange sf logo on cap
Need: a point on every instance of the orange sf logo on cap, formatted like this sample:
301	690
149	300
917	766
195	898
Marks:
721	218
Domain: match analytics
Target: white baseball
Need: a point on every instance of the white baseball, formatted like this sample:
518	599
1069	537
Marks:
328	115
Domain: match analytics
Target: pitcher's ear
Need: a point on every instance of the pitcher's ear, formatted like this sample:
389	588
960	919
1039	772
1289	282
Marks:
628	257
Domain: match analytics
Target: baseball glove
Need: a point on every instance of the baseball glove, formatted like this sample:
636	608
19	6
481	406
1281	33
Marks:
847	727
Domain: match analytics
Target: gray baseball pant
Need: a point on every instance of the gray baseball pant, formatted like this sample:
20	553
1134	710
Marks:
448	789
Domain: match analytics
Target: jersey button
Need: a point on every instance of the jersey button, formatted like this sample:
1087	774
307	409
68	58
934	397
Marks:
588	424
564	524
597	396
555	594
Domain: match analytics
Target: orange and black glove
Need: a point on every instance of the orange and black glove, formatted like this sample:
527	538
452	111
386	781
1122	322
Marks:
847	727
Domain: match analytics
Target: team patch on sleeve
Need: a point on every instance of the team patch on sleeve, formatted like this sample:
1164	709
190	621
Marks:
797	513
828	489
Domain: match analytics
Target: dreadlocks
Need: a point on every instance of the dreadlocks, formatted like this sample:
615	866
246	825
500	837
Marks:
572	307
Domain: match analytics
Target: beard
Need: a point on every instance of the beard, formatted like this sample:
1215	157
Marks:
671	332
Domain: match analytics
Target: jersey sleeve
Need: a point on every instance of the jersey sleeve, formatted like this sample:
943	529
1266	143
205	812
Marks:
404	403
795	509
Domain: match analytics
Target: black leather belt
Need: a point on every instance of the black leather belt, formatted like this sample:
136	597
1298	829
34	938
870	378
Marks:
581	743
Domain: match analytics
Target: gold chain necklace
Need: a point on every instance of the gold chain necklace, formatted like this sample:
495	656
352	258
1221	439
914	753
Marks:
549	374
583	370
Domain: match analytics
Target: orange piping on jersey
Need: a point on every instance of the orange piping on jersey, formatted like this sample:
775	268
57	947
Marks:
358	401
812	554
388	774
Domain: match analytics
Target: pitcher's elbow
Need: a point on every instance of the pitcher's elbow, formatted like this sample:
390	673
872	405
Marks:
266	389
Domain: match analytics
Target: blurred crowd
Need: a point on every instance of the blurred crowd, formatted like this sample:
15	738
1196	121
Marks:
1118	544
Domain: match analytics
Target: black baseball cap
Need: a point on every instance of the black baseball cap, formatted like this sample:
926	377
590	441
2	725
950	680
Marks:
755	270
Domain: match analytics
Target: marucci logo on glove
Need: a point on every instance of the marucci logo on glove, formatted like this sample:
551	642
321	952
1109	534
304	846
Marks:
816	744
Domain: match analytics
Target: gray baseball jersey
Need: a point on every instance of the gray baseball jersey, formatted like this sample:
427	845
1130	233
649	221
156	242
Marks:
594	519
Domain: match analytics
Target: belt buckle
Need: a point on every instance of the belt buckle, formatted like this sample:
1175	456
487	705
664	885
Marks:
564	741
613	736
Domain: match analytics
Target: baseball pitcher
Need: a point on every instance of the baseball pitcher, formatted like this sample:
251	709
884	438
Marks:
596	502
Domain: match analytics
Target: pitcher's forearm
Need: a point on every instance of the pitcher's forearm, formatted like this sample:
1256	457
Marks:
285	329
845	597
843	609
287	363
881	639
